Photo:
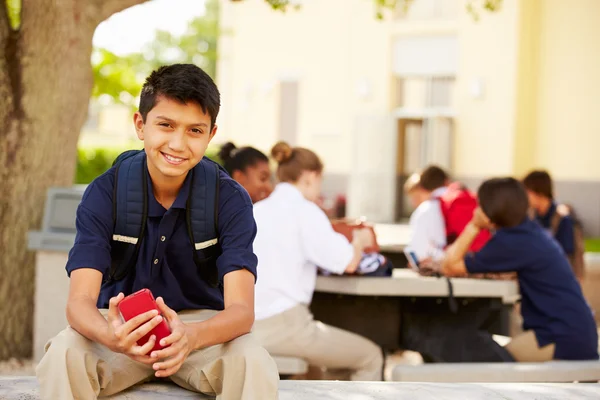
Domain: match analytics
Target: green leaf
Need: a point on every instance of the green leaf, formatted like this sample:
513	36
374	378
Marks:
14	13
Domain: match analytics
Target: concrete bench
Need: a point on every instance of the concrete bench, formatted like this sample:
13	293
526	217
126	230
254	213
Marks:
21	388
290	365
552	371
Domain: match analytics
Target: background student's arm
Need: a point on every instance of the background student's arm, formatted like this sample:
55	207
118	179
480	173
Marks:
327	248
453	263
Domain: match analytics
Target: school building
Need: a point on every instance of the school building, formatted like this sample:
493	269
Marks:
517	89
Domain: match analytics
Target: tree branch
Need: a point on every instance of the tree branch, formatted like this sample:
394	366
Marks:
110	7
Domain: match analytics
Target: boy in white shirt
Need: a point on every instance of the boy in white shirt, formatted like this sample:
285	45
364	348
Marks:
428	230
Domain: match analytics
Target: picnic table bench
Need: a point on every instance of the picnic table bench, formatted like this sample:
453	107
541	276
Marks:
550	371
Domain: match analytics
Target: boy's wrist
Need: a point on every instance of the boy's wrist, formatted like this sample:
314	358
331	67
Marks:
473	226
195	336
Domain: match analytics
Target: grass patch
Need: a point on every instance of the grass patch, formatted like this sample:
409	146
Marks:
592	245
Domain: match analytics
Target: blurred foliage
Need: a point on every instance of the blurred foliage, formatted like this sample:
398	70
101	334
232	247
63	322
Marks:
592	245
381	5
94	161
473	6
13	8
121	77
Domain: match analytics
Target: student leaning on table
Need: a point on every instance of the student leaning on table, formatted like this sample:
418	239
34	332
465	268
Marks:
557	322
293	237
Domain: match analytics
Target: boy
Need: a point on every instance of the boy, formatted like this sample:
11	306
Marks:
428	231
557	321
556	219
210	349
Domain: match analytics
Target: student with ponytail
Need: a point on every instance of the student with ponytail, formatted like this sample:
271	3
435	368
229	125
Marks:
294	237
250	168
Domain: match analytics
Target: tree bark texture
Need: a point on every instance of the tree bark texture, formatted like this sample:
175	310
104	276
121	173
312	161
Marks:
45	85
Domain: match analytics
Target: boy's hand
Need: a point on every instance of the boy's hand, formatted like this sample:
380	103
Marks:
428	267
122	337
179	344
480	220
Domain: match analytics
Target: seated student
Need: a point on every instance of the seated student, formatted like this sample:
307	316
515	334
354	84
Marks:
210	348
294	237
557	221
428	231
557	321
250	168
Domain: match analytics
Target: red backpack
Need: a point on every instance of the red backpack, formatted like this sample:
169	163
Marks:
458	205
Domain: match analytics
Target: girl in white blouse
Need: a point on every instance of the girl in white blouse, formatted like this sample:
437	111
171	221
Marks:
294	237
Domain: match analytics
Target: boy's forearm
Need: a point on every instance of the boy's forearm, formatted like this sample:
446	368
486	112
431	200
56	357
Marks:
236	320
458	250
84	317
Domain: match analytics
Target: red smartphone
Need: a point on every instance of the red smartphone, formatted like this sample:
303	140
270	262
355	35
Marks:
138	303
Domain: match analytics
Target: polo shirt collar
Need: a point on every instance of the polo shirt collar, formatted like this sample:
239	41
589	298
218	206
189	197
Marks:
155	209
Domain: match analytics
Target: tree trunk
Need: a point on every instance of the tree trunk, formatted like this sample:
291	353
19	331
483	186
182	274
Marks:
45	85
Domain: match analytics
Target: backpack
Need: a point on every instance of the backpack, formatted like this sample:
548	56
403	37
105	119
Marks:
130	212
577	258
457	205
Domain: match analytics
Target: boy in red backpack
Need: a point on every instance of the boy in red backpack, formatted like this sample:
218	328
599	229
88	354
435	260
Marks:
443	209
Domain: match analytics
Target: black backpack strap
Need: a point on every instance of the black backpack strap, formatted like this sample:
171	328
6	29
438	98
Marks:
202	219
130	211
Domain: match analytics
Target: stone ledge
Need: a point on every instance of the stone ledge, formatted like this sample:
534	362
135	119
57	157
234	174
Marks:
26	388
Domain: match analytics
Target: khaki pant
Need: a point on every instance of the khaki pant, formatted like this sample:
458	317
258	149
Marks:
295	333
74	367
525	348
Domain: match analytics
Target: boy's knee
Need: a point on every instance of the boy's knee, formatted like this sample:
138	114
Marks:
65	340
246	349
245	346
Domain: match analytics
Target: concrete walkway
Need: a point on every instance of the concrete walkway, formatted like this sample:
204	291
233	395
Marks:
25	388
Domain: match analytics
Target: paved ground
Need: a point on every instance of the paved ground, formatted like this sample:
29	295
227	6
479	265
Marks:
23	388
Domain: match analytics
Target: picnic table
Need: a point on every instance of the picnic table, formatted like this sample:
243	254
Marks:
392	239
374	306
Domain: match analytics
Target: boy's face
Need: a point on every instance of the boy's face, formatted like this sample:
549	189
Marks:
175	137
534	199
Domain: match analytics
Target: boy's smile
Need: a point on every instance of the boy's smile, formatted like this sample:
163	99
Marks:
175	137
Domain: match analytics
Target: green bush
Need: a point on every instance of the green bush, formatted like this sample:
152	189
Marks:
592	245
92	162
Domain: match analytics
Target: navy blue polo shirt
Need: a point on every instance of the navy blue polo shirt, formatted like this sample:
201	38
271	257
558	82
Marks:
165	262
552	303
564	233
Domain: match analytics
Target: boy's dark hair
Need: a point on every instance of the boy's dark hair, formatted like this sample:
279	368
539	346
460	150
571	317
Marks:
504	201
238	159
433	177
184	83
539	182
